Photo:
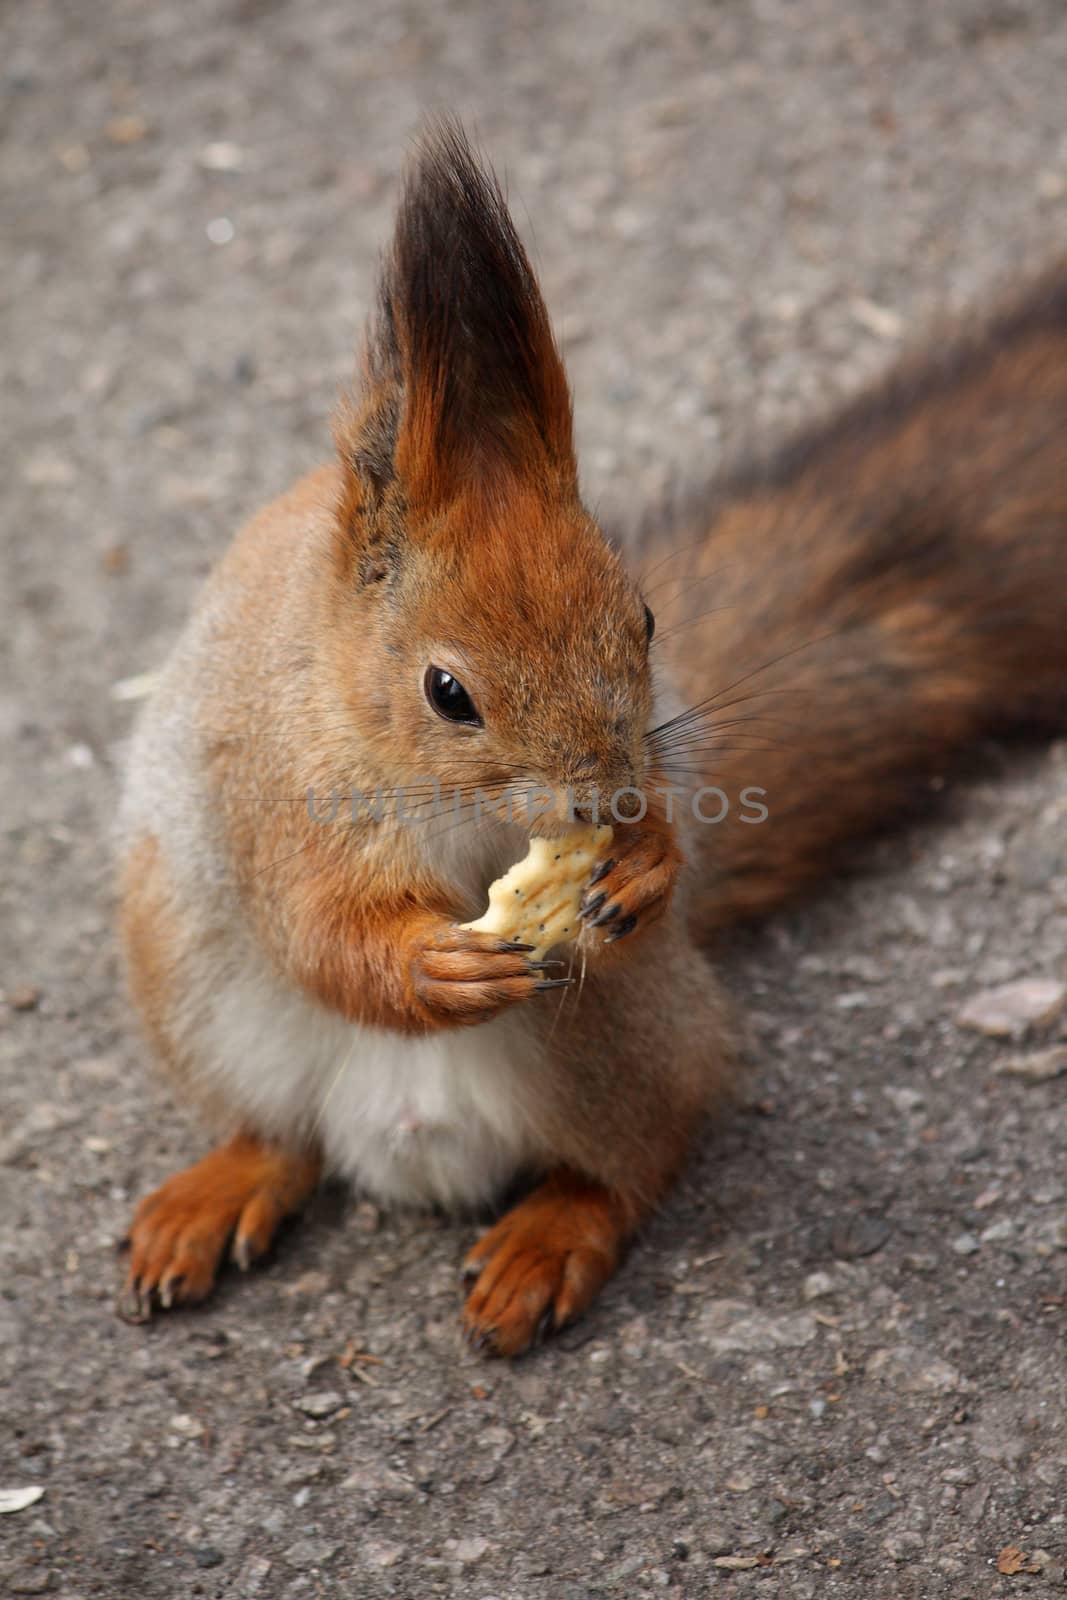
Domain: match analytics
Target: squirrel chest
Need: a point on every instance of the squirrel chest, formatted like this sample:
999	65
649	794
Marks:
414	1120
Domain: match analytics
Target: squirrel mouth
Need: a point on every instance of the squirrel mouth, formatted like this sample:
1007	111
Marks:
569	808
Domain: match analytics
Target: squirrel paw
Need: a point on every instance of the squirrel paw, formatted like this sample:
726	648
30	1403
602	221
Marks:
541	1265
179	1233
460	976
633	888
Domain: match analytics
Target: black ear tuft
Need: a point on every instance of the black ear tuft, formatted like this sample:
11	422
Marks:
462	331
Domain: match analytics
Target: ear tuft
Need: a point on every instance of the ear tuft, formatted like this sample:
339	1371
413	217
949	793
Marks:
461	340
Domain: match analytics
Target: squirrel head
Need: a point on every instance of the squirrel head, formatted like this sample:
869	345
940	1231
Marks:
495	637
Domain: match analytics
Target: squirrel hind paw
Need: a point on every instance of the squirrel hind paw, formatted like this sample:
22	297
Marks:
179	1235
541	1266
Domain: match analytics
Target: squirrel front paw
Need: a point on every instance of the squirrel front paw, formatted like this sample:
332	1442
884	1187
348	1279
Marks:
633	887
462	977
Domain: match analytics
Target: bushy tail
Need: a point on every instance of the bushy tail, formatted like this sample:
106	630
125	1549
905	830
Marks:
894	586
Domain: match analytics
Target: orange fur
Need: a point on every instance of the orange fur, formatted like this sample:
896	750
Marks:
884	591
542	1264
241	1191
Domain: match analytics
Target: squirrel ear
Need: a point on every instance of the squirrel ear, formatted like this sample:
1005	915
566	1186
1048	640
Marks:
462	375
365	437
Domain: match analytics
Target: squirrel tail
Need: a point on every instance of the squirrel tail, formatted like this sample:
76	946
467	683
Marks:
891	588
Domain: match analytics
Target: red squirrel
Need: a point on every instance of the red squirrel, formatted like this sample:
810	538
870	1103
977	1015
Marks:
436	610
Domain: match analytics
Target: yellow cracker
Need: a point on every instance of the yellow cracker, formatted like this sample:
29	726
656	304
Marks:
537	900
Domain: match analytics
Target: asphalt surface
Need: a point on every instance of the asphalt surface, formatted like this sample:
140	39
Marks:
835	1363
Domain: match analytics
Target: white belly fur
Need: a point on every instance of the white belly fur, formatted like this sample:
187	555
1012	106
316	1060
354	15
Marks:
411	1120
441	1119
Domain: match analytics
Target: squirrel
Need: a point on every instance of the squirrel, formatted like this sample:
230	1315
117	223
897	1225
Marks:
436	610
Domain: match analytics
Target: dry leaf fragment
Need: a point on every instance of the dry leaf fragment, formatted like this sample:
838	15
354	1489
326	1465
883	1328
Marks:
115	560
126	130
1012	1560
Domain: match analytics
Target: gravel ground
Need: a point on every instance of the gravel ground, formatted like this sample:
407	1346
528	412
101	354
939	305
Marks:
835	1363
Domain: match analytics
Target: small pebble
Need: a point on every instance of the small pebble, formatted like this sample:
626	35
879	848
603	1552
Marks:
382	1552
221	156
252	1576
1011	1009
24	998
468	1551
882	321
242	368
997	1232
31	1580
139	687
905	1099
903	1546
307	1553
368	1219
47	472
189	1427
208	1556
378	1481
965	1244
322	1403
858	1234
1040	1067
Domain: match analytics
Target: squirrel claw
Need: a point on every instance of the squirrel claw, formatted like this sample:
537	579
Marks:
243	1252
134	1306
241	1191
636	886
546	1325
169	1290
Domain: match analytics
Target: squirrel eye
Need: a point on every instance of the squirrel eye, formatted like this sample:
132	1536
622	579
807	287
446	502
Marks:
449	698
650	625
